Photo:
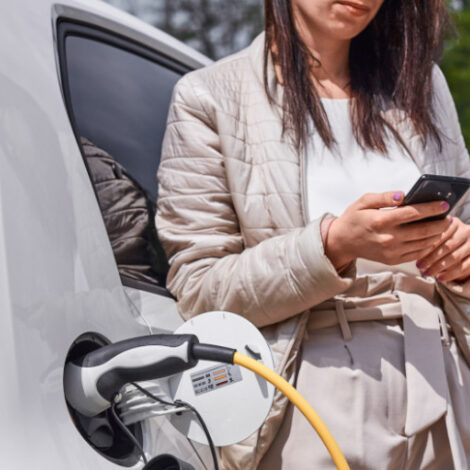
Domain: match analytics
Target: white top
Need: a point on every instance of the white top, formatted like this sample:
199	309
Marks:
338	177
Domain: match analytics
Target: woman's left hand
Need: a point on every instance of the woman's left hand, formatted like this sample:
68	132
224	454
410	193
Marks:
450	260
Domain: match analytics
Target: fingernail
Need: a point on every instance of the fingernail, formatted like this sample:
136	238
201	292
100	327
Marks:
451	219
427	272
397	196
440	278
445	206
419	264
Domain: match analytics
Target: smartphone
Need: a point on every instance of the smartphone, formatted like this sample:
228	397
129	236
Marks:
431	188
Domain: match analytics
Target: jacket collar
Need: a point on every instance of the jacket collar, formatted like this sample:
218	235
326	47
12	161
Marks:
256	55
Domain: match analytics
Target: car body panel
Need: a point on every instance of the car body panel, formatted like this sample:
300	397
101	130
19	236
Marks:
58	278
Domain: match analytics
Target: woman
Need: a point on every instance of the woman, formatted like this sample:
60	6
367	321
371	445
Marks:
337	99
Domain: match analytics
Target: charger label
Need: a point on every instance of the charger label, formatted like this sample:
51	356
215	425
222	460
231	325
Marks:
215	377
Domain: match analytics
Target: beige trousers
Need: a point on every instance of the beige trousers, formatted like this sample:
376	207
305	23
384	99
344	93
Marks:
359	389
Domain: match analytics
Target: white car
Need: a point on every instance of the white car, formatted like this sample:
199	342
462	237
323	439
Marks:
72	68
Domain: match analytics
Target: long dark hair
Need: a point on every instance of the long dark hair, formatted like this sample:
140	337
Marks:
391	64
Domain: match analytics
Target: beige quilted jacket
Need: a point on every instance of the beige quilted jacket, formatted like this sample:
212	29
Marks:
232	212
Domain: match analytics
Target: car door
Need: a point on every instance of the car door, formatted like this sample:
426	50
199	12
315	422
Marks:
117	93
60	289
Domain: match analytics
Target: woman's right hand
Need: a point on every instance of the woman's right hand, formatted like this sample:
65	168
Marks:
368	230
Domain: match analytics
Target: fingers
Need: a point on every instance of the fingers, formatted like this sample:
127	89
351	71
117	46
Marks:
412	256
423	246
443	228
432	250
392	251
447	256
452	239
415	250
451	261
379	200
458	272
416	212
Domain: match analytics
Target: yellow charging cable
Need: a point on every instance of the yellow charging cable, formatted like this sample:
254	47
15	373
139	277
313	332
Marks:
299	401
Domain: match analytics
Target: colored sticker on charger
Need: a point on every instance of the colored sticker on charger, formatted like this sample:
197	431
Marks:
214	378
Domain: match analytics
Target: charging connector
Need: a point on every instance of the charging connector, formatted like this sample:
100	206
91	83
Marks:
92	381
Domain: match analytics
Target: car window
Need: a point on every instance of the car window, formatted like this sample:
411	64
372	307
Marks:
120	102
118	94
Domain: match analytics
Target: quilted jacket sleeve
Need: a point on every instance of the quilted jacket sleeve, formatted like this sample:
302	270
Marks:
454	148
454	143
210	268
